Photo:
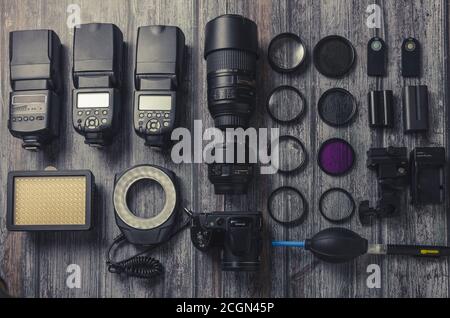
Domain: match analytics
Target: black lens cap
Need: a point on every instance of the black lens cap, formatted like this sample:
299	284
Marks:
287	53
334	56
337	107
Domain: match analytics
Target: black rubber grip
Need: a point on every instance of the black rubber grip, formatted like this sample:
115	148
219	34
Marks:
231	60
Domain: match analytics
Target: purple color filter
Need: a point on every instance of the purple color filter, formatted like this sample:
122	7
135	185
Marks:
336	157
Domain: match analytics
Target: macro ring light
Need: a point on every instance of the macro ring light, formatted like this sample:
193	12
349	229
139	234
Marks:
131	177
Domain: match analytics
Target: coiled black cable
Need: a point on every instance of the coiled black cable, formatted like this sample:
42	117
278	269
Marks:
139	266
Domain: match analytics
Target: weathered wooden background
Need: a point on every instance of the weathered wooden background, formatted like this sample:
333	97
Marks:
35	265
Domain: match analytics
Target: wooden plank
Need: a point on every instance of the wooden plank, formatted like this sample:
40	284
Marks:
19	254
206	270
34	265
59	250
425	225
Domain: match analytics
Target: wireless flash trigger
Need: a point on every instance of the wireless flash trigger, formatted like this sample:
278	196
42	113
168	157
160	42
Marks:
36	83
97	76
158	75
376	57
411	52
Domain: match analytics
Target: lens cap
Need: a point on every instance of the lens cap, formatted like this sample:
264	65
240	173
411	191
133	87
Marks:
337	107
336	157
287	53
334	56
286	105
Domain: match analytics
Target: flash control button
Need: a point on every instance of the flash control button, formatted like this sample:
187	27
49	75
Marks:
153	125
92	123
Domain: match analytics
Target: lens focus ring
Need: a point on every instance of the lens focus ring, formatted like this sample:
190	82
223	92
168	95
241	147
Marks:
230	60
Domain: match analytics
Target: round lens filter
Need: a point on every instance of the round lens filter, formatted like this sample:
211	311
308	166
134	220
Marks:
292	155
286	105
287	206
337	107
334	56
336	157
287	53
337	206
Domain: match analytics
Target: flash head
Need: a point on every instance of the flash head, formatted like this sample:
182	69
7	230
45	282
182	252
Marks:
153	230
158	74
36	82
97	77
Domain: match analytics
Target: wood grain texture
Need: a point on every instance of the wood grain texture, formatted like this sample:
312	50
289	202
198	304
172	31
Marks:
35	265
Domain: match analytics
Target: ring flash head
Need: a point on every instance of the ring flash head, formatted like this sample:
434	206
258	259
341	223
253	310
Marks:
35	74
97	77
153	230
158	75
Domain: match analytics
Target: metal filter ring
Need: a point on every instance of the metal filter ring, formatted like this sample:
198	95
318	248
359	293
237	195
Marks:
343	219
298	221
296	117
127	180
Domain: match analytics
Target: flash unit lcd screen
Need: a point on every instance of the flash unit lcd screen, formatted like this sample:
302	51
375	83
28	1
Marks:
153	102
49	201
93	100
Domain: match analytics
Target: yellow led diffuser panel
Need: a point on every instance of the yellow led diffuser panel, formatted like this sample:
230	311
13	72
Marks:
56	200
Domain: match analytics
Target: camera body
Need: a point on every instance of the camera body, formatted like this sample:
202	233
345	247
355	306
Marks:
35	74
97	76
158	75
237	234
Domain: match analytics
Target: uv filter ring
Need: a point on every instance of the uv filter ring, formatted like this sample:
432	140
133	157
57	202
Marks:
277	95
295	222
302	163
287	53
345	218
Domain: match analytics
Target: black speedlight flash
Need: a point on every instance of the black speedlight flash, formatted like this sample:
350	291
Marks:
158	75
97	76
35	74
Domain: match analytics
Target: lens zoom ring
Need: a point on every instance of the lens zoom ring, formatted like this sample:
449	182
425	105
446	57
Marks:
231	60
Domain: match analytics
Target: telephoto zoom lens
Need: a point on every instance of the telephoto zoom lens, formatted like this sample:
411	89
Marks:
231	52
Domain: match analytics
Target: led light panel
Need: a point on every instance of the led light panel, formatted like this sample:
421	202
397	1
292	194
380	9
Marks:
50	201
